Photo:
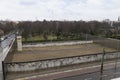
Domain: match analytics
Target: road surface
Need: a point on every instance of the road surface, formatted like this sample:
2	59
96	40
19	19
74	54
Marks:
5	46
107	75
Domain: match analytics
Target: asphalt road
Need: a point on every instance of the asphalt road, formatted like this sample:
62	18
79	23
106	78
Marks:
1	75
107	75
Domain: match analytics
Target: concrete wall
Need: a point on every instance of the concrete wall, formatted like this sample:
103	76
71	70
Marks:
59	43
42	64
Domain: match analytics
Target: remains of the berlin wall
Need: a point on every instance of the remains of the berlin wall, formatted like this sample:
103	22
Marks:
59	43
49	63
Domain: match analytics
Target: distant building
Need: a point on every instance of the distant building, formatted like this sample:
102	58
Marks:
111	23
4	22
107	20
119	19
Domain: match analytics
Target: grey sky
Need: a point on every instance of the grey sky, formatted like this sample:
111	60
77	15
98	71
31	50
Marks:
59	9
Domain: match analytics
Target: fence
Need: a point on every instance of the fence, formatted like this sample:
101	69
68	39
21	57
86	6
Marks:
112	43
106	42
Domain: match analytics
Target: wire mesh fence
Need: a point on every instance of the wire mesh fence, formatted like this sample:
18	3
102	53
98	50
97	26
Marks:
105	42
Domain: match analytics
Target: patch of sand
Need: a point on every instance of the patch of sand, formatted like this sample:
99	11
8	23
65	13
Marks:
39	53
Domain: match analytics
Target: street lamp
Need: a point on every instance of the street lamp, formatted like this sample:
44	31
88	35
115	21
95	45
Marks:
102	60
117	49
102	63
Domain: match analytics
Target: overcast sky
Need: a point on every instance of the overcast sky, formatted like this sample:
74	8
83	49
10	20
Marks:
59	9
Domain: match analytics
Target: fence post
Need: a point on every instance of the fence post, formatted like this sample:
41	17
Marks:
3	70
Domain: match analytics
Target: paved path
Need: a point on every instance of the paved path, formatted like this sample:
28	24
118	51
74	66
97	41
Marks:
107	75
1	74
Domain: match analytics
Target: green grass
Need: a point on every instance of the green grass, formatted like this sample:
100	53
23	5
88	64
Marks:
39	38
50	38
114	36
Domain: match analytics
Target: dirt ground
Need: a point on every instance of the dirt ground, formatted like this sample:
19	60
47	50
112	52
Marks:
30	54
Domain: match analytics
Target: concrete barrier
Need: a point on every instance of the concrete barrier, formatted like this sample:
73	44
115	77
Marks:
56	43
49	63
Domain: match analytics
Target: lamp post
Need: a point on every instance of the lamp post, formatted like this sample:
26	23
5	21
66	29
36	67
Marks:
86	36
117	49
102	63
102	60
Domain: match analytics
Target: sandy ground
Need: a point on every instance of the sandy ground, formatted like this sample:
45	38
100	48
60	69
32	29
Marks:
30	54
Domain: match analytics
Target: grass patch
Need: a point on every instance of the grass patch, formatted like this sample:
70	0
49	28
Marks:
50	38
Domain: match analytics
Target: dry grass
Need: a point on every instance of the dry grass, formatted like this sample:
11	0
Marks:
30	54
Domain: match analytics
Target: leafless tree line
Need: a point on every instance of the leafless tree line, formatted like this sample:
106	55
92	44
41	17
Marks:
61	29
